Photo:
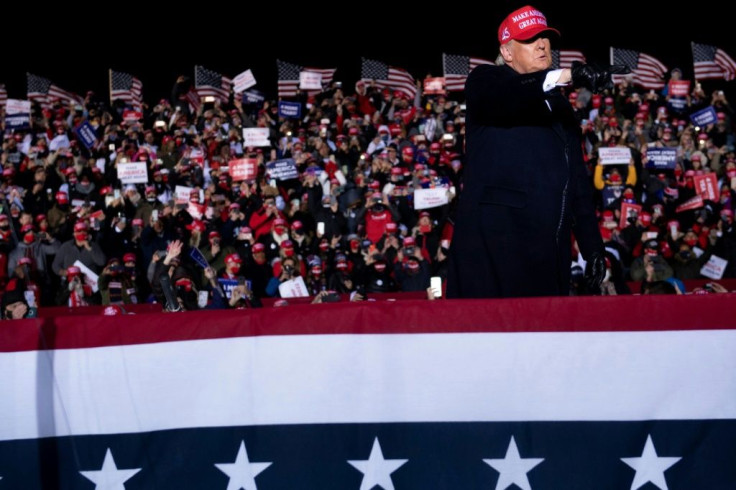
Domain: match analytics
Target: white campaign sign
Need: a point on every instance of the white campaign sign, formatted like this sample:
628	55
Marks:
182	193
430	198
309	80
616	155
90	278
133	173
714	268
256	137
293	288
244	81
15	106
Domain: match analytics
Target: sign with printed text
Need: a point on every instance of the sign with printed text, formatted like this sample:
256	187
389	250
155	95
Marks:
256	137
132	116
60	141
430	198
617	155
290	109
628	210
434	86
310	80
704	116
90	278
15	106
679	88
714	268
610	193
707	186
182	193
18	114
293	288
253	97
242	169
283	169
694	202
243	81
661	158
195	210
133	173
86	134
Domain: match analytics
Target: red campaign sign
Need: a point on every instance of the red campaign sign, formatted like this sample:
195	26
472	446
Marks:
434	85
706	185
628	210
692	203
132	116
243	169
679	88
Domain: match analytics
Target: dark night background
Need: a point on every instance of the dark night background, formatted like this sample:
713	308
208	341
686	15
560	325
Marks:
157	44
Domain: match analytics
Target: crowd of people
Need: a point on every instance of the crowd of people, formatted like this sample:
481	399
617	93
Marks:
72	234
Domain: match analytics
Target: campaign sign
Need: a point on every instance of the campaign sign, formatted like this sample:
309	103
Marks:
283	169
17	114
707	186
133	173
86	134
679	88
610	193
132	116
253	97
661	158
616	155
243	81
256	137
714	268
628	210
182	193
198	257
434	86
694	202
704	116
243	169
290	109
294	288
430	198
310	80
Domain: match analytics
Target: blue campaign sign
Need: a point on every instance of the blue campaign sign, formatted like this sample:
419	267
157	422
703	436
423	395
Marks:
229	284
661	158
18	121
253	97
198	257
704	116
283	169
610	193
290	109
86	134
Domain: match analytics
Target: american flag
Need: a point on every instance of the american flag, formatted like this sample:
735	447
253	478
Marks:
125	86
531	394
646	71
288	77
712	62
208	83
3	95
457	68
387	76
563	58
44	91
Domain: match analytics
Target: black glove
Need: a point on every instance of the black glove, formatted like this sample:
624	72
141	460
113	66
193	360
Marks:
595	271
595	78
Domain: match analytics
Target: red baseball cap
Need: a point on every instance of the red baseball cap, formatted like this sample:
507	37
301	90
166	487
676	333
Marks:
233	258
258	247
523	24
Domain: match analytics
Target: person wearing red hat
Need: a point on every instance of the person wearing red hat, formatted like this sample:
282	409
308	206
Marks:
261	221
650	266
79	248
376	214
36	249
526	190
233	263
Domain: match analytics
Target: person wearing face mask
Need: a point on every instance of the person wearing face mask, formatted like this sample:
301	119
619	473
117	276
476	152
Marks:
651	266
116	286
79	248
377	277
376	214
36	247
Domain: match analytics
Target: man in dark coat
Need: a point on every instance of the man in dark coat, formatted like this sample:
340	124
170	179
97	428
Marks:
525	186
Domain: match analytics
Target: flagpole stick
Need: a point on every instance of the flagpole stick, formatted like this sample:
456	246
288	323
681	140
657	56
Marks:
109	81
